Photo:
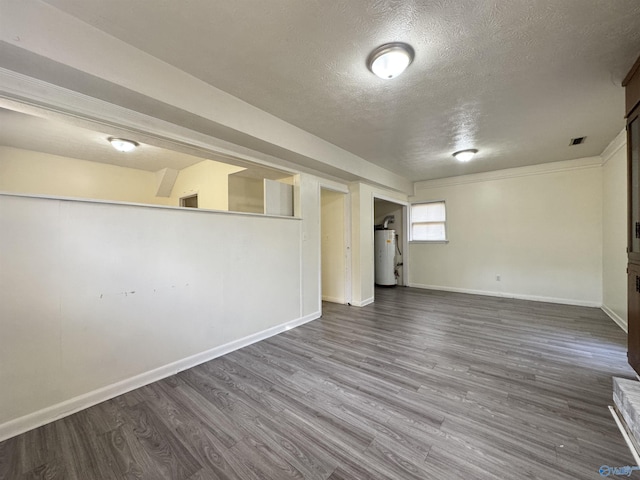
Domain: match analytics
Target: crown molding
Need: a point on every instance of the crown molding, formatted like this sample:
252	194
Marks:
541	169
616	144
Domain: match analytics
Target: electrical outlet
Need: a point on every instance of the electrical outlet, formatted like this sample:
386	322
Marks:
497	278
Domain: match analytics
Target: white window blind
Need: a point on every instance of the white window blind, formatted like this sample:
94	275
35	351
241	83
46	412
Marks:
428	222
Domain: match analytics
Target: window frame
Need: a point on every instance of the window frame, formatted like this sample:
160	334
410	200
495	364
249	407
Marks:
444	223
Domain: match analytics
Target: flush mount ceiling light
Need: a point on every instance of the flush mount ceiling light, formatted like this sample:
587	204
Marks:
465	155
390	60
123	145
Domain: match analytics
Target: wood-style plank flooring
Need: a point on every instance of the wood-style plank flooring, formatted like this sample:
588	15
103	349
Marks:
419	385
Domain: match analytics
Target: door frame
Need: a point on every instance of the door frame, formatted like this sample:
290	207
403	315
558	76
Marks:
344	190
405	231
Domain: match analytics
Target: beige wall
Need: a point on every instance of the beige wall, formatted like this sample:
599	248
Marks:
25	171
209	180
29	172
333	246
539	228
614	231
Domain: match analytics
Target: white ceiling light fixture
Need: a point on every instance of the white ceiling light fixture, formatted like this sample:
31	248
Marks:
465	155
123	145
390	60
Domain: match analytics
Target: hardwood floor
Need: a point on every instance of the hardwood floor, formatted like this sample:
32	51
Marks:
419	385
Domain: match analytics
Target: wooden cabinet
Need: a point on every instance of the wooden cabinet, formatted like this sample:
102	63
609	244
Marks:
633	146
633	336
632	103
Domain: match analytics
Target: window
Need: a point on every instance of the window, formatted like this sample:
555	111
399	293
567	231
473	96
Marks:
428	222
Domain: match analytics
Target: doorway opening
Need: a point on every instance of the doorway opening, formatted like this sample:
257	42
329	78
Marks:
189	202
390	242
334	234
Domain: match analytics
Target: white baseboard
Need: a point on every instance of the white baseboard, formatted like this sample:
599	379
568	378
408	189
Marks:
616	318
333	299
533	298
55	412
363	303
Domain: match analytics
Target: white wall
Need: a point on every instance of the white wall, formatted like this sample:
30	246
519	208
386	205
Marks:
614	230
97	299
333	246
308	208
539	228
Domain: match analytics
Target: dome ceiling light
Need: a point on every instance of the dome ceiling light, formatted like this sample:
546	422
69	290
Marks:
465	155
123	145
390	60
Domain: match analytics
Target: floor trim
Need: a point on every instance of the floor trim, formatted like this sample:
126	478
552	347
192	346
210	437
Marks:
533	298
60	410
616	318
363	303
333	300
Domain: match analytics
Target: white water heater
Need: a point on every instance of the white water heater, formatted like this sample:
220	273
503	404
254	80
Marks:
385	250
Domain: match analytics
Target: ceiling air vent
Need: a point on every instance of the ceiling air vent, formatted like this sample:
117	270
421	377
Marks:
577	141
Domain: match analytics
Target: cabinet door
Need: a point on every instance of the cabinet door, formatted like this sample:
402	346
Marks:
633	145
633	337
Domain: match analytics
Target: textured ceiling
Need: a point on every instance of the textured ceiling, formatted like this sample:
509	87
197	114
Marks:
514	79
